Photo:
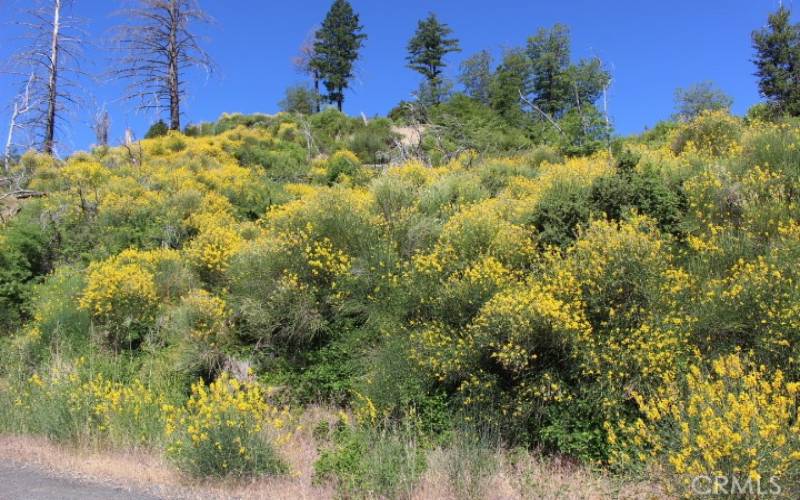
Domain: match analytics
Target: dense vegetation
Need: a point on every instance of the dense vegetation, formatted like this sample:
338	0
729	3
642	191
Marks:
635	308
482	270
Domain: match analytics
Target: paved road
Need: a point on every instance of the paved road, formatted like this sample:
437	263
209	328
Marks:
18	482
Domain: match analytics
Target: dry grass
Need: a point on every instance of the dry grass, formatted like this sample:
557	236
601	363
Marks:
451	474
523	477
147	472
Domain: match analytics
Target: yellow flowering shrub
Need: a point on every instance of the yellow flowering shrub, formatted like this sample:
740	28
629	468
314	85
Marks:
754	306
122	300
738	420
344	167
212	249
710	135
227	428
508	356
629	288
526	292
205	316
85	178
73	405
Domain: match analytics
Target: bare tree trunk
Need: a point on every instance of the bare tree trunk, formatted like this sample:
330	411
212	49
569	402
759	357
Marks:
102	124
174	82
10	138
158	46
22	105
607	119
52	85
317	95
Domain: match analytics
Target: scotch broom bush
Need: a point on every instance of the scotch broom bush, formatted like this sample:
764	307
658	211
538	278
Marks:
635	308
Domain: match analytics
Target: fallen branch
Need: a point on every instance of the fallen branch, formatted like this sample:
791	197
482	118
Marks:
23	194
537	108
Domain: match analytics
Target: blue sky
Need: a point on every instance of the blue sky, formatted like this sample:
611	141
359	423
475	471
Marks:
651	47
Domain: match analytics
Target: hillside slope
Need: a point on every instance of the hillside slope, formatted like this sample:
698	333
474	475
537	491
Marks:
635	310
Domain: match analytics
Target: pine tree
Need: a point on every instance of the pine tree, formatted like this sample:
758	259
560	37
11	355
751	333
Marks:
549	53
426	52
778	62
336	49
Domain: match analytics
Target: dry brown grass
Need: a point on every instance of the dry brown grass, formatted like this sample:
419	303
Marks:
148	472
525	477
502	477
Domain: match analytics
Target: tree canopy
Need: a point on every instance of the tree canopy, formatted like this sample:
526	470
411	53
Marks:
427	50
336	49
778	62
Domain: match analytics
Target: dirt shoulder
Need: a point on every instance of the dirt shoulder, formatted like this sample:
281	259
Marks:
36	469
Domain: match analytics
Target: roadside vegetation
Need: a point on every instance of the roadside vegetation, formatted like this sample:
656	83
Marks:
484	290
633	309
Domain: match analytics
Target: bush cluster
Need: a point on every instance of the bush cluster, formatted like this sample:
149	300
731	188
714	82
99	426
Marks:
634	308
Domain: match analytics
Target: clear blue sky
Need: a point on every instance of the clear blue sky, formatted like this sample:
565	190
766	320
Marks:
652	47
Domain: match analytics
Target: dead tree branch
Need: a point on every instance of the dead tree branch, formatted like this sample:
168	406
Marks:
538	109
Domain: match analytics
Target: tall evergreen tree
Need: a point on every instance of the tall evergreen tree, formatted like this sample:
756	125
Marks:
778	62
586	81
549	54
336	49
426	52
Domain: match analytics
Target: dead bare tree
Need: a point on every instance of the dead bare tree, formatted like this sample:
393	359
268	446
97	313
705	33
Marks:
304	63
22	105
606	117
159	46
101	126
51	56
308	134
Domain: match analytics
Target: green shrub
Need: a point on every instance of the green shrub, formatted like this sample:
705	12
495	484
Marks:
773	148
158	129
341	164
59	323
272	304
643	190
284	162
222	431
24	257
495	176
561	211
368	463
712	133
446	195
397	389
372	142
